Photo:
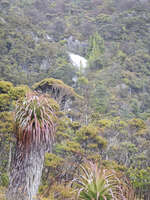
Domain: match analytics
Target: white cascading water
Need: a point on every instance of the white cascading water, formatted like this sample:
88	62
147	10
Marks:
78	61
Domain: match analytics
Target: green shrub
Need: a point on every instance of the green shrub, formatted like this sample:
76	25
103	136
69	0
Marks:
4	102
5	86
4	179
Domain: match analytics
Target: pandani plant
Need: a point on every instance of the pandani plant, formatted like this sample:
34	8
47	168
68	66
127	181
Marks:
33	121
96	182
35	131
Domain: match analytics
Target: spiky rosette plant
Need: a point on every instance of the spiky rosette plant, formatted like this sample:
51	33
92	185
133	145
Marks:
99	183
35	129
34	121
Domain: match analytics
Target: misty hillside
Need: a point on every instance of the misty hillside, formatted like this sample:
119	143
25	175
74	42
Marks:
93	58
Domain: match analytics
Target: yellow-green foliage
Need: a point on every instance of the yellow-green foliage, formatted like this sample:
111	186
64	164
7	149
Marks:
140	178
63	124
122	124
72	146
105	123
63	192
4	179
17	92
9	94
83	80
116	123
53	104
142	132
113	165
75	125
96	157
4	102
92	146
61	135
101	141
2	193
87	132
137	123
119	124
103	18
6	130
127	76
5	86
6	122
90	133
121	55
52	160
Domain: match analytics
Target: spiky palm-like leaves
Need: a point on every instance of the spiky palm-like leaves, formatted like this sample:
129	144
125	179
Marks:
99	183
35	129
34	124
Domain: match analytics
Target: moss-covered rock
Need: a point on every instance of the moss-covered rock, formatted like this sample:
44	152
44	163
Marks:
55	87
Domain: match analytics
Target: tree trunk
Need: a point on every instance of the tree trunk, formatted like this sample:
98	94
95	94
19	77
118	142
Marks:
26	174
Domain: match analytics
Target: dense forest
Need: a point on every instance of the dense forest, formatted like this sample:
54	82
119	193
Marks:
76	75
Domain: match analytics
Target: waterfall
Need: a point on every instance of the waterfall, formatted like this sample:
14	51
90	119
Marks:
78	61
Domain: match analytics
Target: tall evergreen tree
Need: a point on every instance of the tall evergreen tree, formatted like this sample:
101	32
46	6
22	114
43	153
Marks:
96	50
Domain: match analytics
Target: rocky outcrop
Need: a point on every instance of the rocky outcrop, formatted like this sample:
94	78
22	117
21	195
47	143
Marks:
76	46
